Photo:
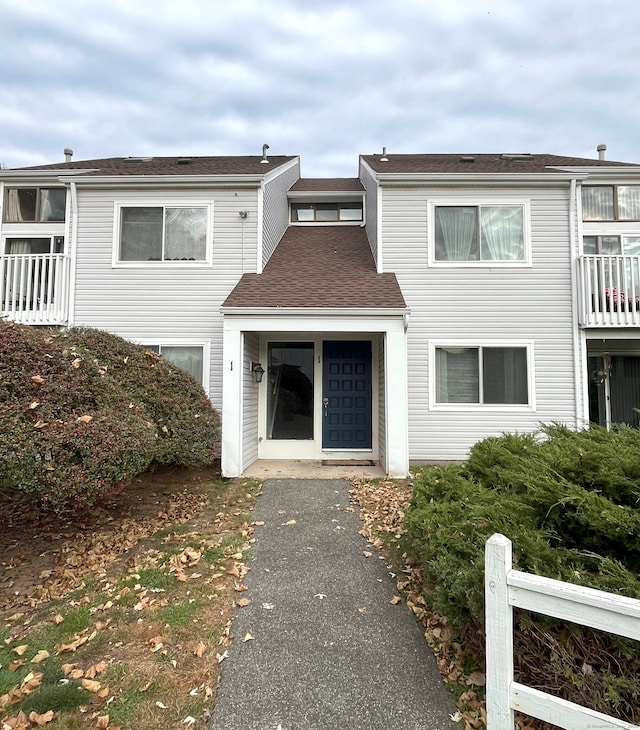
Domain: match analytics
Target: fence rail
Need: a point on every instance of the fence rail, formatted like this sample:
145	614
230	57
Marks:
34	288
609	291
506	589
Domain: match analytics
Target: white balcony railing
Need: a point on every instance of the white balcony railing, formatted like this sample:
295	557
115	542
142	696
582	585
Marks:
609	291
34	288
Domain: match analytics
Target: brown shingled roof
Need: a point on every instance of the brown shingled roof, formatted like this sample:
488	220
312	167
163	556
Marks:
319	266
479	163
328	185
187	165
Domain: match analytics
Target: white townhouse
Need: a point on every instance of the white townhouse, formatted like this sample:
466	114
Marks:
395	317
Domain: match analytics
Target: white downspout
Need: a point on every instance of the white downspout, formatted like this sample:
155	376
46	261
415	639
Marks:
73	254
579	358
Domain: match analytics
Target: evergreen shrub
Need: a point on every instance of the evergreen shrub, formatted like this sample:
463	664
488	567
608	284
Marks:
570	503
84	411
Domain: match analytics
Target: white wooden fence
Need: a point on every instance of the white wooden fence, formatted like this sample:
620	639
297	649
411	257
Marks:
506	589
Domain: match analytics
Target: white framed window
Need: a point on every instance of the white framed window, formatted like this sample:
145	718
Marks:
30	245
493	232
488	375
610	202
191	357
34	205
326	212
611	245
166	234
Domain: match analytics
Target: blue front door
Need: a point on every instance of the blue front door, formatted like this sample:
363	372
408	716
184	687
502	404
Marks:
346	395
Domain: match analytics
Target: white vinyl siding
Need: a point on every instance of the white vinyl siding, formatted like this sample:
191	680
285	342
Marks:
250	397
497	304
276	209
371	211
153	303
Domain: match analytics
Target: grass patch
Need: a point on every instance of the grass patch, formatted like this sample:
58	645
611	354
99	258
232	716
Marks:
179	614
213	555
74	622
198	610
57	697
67	722
154	578
122	709
173	530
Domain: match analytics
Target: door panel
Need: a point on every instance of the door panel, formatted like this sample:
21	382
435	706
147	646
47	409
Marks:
625	390
346	393
290	394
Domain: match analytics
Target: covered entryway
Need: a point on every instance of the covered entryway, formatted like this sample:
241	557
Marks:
359	364
330	336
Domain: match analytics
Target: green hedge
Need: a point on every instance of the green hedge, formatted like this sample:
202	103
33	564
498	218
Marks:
83	411
570	503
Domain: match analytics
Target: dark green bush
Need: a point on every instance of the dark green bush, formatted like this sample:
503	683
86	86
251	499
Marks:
83	411
570	503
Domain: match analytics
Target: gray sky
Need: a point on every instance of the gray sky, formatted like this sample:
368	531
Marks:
325	79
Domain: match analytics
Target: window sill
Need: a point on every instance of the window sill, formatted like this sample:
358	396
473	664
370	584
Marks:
162	264
480	264
482	407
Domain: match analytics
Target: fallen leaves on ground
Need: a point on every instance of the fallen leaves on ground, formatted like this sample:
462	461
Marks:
382	508
111	550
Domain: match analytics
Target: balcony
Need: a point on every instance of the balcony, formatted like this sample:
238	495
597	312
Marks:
34	288
609	291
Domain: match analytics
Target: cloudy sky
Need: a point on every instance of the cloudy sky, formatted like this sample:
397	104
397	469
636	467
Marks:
325	79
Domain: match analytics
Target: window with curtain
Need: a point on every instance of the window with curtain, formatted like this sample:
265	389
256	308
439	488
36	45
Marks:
35	205
480	233
611	245
610	202
482	375
163	233
40	245
186	357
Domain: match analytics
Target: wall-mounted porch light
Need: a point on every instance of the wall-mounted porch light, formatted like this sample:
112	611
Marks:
258	371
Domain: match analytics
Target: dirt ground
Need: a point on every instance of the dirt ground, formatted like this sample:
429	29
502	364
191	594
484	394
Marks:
43	556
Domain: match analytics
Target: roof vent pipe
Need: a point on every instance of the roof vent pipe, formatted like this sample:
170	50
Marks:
264	160
602	148
384	157
68	154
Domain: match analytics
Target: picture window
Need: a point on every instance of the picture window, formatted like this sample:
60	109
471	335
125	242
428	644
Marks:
482	375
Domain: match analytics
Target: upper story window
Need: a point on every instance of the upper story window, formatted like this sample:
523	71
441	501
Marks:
164	233
32	205
325	212
611	202
488	233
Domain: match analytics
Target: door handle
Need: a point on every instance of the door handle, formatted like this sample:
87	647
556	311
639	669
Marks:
325	403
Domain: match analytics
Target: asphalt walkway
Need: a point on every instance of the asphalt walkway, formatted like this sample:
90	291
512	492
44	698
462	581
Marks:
329	650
